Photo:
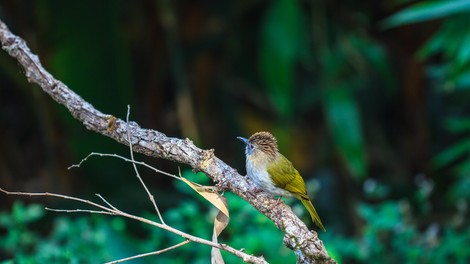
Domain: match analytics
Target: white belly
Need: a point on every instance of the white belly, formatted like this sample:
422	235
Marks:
261	177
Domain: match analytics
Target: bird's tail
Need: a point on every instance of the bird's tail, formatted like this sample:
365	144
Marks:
313	213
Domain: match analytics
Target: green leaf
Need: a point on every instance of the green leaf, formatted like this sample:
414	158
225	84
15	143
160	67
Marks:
433	46
342	114
282	36
451	153
463	50
462	81
426	11
373	57
458	125
27	214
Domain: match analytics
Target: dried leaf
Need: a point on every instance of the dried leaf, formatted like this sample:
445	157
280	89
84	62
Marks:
220	222
222	218
210	195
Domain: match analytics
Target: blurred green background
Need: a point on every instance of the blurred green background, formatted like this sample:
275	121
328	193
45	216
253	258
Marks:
369	100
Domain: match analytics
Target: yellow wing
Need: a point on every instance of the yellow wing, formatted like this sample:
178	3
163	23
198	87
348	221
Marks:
285	176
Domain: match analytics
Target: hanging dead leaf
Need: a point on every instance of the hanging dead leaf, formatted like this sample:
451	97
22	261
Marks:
222	218
220	222
209	194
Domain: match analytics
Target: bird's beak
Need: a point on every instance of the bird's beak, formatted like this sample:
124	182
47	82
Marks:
244	140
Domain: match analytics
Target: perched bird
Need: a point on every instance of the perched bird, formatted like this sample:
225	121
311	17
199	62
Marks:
274	173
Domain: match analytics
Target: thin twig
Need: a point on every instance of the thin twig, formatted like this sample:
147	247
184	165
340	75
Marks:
59	196
150	253
104	200
126	160
152	199
79	211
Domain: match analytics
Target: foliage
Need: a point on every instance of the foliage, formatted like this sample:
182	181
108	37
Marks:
427	10
448	53
400	231
69	241
393	233
451	41
282	45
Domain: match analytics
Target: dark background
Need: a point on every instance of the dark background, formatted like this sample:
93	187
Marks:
369	100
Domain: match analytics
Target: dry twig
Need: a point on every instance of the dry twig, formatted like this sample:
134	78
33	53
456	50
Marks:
150	253
152	199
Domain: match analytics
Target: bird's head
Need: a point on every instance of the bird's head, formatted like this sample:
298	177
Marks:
261	144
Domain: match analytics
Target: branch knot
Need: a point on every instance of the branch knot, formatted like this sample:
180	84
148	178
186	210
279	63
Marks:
206	158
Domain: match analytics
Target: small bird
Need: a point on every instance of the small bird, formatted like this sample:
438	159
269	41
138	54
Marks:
274	173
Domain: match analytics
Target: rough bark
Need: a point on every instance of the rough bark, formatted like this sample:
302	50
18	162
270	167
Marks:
306	244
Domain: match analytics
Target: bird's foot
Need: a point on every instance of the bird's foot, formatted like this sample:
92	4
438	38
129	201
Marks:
258	190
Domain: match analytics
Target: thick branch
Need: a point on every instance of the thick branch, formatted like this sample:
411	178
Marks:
306	244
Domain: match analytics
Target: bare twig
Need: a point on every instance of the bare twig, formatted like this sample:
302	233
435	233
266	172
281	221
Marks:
124	159
152	199
150	253
105	210
104	200
78	211
305	243
66	197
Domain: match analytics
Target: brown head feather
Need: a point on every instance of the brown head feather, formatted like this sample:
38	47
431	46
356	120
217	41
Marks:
265	142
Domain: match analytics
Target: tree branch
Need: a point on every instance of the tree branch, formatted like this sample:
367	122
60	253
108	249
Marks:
306	244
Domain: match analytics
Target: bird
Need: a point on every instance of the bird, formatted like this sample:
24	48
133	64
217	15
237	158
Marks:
274	173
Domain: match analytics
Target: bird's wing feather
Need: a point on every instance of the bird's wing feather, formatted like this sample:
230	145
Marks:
285	176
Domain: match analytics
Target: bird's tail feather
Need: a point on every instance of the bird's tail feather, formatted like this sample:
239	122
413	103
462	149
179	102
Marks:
313	213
